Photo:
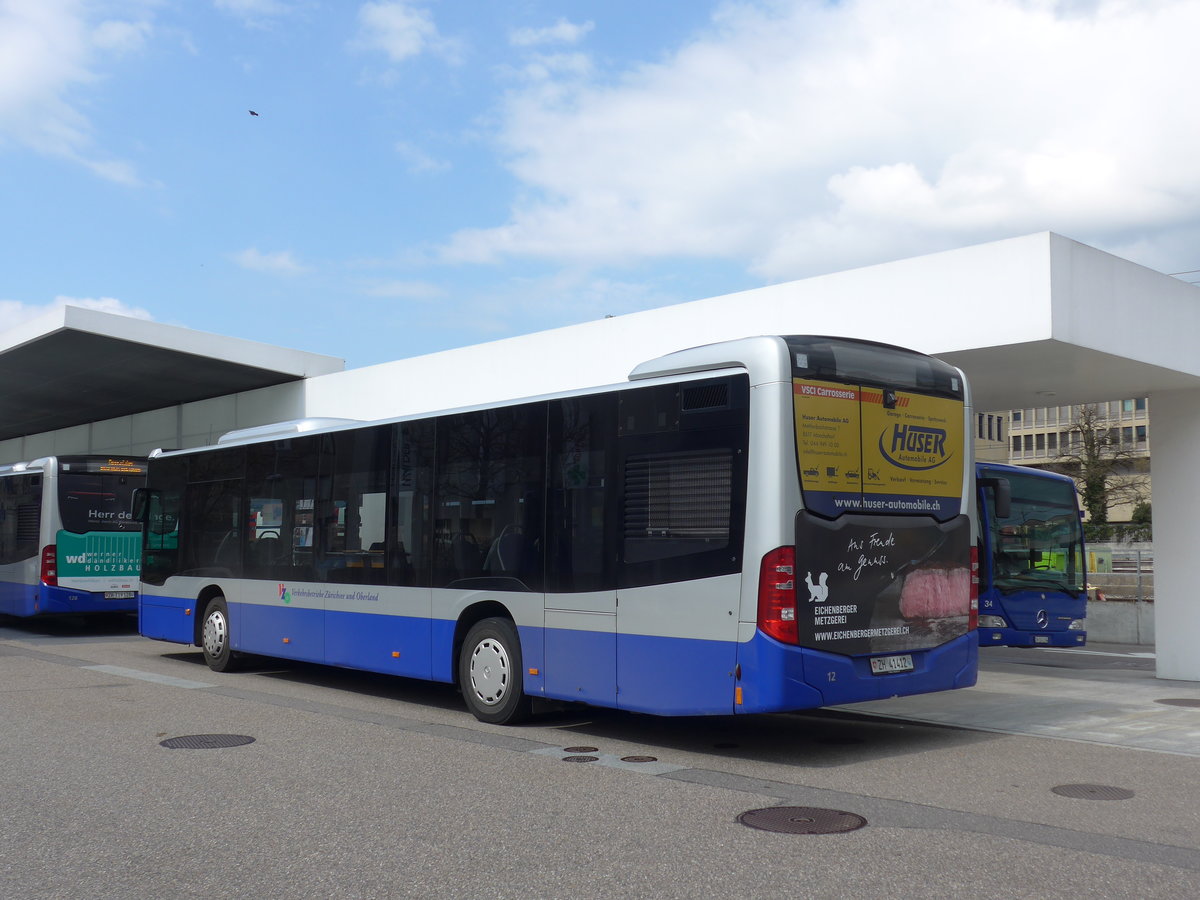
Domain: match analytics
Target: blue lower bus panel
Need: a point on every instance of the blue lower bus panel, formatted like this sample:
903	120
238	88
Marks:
639	673
1013	637
31	600
777	677
167	618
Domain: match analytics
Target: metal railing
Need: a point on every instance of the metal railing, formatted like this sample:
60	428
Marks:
1131	578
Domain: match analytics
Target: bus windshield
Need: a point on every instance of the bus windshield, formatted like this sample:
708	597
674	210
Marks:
94	500
1039	545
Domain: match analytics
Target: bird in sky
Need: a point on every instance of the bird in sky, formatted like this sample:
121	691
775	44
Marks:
252	112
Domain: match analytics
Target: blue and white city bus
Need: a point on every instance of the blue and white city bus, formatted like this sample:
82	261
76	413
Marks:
68	540
1033	576
765	524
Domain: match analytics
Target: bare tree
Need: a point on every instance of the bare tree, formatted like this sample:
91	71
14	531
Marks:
1109	473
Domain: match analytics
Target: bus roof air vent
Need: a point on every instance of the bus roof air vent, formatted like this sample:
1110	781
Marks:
706	396
290	428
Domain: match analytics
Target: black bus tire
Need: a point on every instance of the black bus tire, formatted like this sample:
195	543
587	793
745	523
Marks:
214	636
490	673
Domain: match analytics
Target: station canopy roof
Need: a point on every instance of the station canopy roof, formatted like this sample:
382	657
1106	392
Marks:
73	366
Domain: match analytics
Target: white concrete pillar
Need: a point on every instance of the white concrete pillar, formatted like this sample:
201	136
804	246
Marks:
1175	465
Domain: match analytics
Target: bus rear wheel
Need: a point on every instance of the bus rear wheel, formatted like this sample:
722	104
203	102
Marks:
490	673
214	636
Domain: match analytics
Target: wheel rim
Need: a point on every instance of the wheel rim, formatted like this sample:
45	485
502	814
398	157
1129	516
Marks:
216	632
490	671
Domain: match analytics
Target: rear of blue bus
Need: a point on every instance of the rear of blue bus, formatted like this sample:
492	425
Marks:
875	594
91	560
1033	579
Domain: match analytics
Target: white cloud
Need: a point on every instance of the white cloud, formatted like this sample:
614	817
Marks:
561	32
121	37
14	313
402	30
799	137
418	160
281	263
49	50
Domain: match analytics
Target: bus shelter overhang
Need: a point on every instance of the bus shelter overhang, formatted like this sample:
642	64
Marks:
75	366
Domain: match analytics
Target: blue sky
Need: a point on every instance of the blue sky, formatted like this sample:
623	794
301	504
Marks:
426	174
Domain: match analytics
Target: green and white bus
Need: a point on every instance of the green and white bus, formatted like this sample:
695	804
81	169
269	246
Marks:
68	539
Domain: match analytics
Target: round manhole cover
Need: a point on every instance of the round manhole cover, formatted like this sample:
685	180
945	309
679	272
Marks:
579	749
1180	701
206	741
802	820
1092	792
639	759
580	758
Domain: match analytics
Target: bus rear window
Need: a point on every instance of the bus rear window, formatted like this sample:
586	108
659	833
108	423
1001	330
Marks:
90	502
866	363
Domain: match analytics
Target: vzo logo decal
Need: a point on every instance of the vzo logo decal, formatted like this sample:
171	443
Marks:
284	594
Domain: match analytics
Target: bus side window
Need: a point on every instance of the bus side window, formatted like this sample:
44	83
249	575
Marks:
281	492
581	537
353	506
683	480
490	499
213	525
411	492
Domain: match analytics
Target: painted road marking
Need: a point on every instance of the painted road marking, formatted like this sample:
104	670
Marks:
148	676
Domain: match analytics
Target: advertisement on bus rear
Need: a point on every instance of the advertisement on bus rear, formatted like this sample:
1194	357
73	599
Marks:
875	584
99	561
870	450
893	576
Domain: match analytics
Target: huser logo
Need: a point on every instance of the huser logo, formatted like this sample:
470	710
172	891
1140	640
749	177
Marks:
914	447
284	594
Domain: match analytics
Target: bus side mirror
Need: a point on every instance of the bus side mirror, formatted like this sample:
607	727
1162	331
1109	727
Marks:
141	504
1001	495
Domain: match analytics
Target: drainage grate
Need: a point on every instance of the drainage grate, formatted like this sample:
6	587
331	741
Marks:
639	759
580	758
1180	701
1092	792
802	820
205	741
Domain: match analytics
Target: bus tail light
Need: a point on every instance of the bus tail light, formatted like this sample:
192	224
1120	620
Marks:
50	565
973	615
777	595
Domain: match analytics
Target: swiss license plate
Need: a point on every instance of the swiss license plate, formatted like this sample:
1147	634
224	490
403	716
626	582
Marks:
887	665
119	595
1041	639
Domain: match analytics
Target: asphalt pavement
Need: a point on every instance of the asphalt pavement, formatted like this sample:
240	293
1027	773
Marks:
1102	693
132	770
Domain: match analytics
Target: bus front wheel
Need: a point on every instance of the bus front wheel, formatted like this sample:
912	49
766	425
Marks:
490	673
214	636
